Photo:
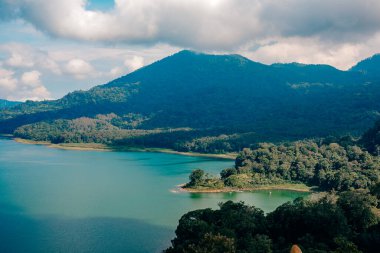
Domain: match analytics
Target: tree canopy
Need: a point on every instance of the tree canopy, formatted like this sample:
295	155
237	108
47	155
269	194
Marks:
330	223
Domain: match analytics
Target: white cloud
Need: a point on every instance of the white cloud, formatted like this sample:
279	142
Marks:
18	60
130	64
216	24
7	81
28	87
31	78
134	63
79	68
116	72
22	56
312	51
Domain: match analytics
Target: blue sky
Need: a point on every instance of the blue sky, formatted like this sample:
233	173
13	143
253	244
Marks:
102	5
51	47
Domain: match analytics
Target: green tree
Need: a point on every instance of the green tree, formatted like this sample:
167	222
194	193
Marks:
357	208
212	244
196	177
228	172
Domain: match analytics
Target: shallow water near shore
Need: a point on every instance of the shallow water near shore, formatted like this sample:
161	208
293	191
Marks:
54	200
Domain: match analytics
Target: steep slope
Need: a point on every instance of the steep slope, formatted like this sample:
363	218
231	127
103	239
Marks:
369	67
221	94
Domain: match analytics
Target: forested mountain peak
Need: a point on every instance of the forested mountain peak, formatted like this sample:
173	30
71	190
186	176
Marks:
186	64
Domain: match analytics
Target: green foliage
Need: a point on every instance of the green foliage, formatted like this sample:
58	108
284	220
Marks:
371	139
81	130
323	225
329	166
199	180
227	173
357	207
238	181
235	221
211	244
214	142
196	177
345	246
375	191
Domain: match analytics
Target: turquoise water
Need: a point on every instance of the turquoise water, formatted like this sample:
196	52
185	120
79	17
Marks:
54	200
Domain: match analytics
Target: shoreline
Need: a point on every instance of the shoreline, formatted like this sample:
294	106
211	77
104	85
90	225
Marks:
106	148
282	187
68	146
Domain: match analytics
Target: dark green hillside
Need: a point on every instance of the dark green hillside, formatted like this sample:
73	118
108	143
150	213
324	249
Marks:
370	67
217	95
7	104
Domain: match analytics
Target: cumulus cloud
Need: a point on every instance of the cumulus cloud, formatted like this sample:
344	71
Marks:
339	20
134	63
312	51
18	60
27	87
131	64
31	78
22	56
79	68
212	24
7	82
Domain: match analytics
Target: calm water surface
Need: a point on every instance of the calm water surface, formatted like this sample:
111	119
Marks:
55	200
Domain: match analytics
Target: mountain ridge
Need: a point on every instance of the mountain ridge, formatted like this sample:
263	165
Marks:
226	92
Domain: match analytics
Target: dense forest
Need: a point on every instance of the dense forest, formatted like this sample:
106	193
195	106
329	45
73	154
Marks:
118	132
343	223
209	103
337	164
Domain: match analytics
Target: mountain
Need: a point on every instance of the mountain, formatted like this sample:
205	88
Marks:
7	104
223	101
369	67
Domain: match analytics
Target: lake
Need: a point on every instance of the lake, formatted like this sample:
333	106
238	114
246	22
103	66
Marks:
54	200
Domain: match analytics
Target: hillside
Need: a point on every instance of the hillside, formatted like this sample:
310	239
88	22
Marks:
369	67
217	99
6	104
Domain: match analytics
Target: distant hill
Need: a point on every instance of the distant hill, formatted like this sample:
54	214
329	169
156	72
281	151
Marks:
217	99
369	67
7	104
